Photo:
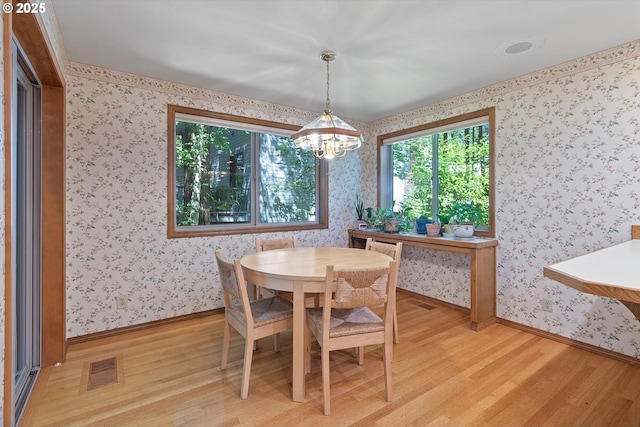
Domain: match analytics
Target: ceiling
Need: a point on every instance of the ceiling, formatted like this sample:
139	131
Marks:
392	55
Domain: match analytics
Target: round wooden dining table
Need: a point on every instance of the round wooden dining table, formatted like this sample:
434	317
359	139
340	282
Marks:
302	271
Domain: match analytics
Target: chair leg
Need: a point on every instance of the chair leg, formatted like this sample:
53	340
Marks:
276	342
360	351
396	338
225	346
246	369
387	357
307	349
326	392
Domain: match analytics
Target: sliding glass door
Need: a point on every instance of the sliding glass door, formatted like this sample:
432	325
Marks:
26	220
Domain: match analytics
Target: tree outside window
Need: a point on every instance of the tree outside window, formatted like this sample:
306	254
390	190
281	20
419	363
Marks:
241	175
442	171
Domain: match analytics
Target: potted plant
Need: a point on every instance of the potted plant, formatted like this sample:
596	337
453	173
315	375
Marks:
359	205
464	217
389	221
421	223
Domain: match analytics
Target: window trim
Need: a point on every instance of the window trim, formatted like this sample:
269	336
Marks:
384	139
175	231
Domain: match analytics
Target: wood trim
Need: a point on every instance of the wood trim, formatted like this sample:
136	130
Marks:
573	343
54	233
432	301
8	271
491	114
635	231
174	231
31	35
142	326
558	338
29	30
438	243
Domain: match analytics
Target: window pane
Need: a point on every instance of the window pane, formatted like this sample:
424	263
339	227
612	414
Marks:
210	174
231	177
230	174
458	177
412	185
463	175
287	181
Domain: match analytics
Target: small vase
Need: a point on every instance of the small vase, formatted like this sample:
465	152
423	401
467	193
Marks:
447	231
433	230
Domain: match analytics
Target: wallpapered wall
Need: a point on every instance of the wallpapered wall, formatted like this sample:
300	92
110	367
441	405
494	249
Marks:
117	205
567	183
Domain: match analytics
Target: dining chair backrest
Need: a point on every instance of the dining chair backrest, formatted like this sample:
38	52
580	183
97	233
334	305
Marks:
236	298
346	319
271	244
392	250
252	319
395	252
360	288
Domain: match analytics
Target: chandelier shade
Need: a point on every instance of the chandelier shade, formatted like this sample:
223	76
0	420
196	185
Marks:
328	136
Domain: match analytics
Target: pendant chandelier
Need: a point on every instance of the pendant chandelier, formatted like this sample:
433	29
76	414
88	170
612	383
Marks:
328	136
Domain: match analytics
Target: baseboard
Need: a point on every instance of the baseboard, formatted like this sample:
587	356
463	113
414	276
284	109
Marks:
132	328
433	301
539	332
573	343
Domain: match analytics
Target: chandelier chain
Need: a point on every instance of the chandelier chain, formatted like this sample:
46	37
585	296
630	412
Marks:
328	101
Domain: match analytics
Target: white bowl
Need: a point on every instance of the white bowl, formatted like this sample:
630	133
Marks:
463	230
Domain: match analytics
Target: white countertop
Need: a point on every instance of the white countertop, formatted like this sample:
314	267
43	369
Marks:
617	266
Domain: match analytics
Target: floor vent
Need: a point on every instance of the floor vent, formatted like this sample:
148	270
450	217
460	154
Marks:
102	373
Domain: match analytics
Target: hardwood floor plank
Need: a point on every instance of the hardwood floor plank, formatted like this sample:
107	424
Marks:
444	374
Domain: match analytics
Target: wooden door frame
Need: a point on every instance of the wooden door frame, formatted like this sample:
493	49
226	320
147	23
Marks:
29	30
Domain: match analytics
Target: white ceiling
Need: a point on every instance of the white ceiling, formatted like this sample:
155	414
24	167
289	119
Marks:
392	55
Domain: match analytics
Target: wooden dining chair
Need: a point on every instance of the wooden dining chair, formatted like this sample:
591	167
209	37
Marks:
395	252
346	319
252	319
272	244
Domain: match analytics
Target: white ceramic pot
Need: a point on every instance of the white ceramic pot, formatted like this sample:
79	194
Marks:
463	230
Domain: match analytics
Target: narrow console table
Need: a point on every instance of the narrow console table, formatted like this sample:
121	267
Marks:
483	265
610	272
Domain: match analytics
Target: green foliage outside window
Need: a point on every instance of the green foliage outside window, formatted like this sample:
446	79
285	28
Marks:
213	176
287	181
194	143
462	184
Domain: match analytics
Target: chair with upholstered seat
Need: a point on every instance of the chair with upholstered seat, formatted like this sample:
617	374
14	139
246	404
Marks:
272	244
346	319
395	252
252	319
269	245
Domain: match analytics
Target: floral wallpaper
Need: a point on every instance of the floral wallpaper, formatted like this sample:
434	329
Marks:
117	204
567	183
567	177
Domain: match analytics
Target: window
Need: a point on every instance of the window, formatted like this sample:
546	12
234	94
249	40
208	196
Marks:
442	170
230	174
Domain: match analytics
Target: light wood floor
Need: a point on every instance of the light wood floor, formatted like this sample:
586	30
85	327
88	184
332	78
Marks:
443	374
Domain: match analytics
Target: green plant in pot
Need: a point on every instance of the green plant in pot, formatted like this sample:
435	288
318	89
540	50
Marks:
389	221
421	223
464	217
359	205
